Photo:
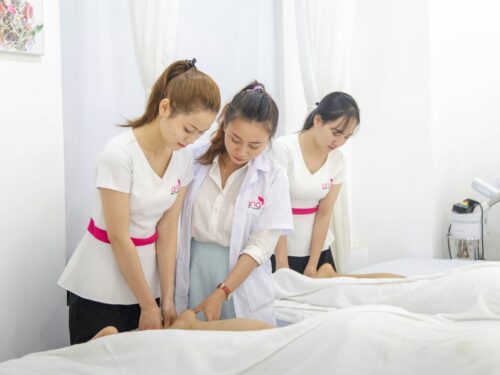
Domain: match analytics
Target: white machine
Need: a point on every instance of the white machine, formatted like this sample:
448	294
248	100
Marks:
466	232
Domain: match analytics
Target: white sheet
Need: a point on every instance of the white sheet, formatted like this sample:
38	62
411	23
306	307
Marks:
454	329
357	340
463	293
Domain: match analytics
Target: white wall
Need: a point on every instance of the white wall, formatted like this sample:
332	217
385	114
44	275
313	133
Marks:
294	110
426	79
101	89
391	154
233	41
32	227
465	114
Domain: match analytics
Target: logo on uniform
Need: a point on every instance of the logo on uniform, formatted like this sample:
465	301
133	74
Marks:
175	189
327	185
256	205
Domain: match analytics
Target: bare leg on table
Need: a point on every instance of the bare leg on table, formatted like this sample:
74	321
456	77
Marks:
109	330
327	271
187	320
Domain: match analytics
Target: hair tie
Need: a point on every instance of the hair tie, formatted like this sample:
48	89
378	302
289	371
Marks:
258	88
191	63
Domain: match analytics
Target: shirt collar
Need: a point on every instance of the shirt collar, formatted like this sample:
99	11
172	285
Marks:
262	162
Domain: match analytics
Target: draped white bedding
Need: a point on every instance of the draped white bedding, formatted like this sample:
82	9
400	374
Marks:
446	323
463	293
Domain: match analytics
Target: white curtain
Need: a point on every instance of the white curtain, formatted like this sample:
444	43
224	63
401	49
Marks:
154	29
324	37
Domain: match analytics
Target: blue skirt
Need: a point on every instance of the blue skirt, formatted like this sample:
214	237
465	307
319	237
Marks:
208	267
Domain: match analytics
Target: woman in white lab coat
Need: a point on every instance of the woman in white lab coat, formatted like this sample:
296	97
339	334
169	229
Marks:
236	208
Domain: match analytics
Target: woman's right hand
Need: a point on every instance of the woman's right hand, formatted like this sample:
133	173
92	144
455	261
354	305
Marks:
310	271
212	305
150	318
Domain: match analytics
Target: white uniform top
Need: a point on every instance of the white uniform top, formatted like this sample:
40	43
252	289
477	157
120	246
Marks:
213	210
306	189
92	271
262	203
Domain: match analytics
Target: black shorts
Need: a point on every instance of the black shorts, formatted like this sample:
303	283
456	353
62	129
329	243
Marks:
87	317
299	263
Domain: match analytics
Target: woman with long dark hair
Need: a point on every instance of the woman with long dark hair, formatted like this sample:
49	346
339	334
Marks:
236	208
315	168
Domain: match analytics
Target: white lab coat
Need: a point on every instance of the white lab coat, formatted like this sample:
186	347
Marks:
267	180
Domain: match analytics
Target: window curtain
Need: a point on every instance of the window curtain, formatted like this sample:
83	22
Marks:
324	37
154	29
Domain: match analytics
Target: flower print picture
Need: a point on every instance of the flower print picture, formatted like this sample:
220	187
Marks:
21	26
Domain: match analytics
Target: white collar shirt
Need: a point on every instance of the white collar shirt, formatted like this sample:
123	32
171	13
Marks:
213	211
262	203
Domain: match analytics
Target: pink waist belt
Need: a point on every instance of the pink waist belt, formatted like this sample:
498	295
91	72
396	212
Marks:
304	211
102	235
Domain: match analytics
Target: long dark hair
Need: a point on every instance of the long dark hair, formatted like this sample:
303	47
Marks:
332	107
187	88
251	103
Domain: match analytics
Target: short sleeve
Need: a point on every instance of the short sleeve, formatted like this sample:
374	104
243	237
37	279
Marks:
114	169
261	244
188	169
281	154
277	211
339	168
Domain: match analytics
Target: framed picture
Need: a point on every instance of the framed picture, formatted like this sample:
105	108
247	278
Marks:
21	26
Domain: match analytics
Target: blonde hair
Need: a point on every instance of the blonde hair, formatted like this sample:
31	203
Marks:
187	88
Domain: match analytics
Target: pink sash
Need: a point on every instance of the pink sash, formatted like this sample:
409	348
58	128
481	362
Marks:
102	235
304	211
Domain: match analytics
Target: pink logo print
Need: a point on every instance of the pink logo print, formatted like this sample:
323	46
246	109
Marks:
256	205
175	189
327	185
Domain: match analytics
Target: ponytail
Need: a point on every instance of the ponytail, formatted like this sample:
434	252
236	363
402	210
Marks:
308	123
187	88
332	107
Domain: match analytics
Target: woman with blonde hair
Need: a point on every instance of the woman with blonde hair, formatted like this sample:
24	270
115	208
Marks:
123	267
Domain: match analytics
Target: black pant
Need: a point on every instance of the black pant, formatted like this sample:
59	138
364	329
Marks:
87	317
299	263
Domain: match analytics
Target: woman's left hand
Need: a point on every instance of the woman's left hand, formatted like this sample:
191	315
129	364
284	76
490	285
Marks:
168	313
150	318
212	305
